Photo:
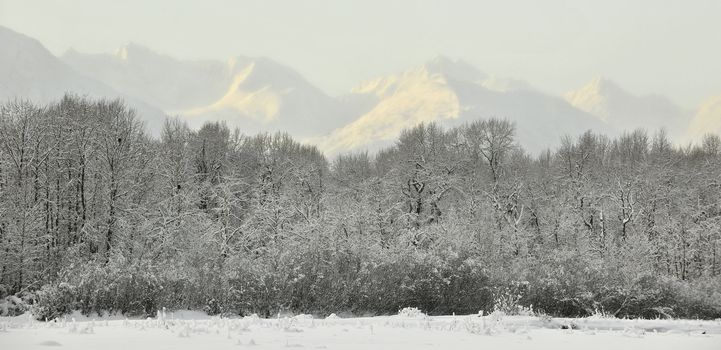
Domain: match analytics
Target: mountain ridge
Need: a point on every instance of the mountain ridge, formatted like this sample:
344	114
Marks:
259	94
29	71
612	104
436	92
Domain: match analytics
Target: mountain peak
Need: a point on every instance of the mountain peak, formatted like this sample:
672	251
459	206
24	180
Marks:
603	86
454	69
442	60
238	62
265	71
612	104
595	92
133	50
706	120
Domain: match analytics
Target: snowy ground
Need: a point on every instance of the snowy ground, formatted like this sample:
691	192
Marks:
192	330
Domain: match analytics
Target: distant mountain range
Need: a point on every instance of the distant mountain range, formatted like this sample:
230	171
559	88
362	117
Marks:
254	94
29	71
616	107
259	94
453	92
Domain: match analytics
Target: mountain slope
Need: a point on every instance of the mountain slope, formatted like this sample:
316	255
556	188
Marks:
266	96
161	80
258	94
399	102
29	71
452	92
254	94
706	120
607	101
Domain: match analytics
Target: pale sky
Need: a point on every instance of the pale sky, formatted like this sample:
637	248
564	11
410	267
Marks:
647	46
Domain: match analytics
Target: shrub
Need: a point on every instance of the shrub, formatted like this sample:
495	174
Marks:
411	312
12	306
54	301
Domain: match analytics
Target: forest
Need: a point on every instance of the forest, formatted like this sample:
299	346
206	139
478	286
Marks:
97	215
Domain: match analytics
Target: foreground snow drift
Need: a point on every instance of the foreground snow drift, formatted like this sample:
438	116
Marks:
188	330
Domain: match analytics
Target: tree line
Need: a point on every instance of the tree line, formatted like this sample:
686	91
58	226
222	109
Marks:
97	215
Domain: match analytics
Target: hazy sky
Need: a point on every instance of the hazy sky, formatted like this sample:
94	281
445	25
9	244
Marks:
647	46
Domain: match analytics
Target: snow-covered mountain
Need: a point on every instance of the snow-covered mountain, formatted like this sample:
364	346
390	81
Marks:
159	79
254	94
29	71
266	96
706	120
452	92
259	94
615	106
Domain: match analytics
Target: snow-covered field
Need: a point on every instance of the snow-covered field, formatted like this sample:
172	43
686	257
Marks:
193	330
